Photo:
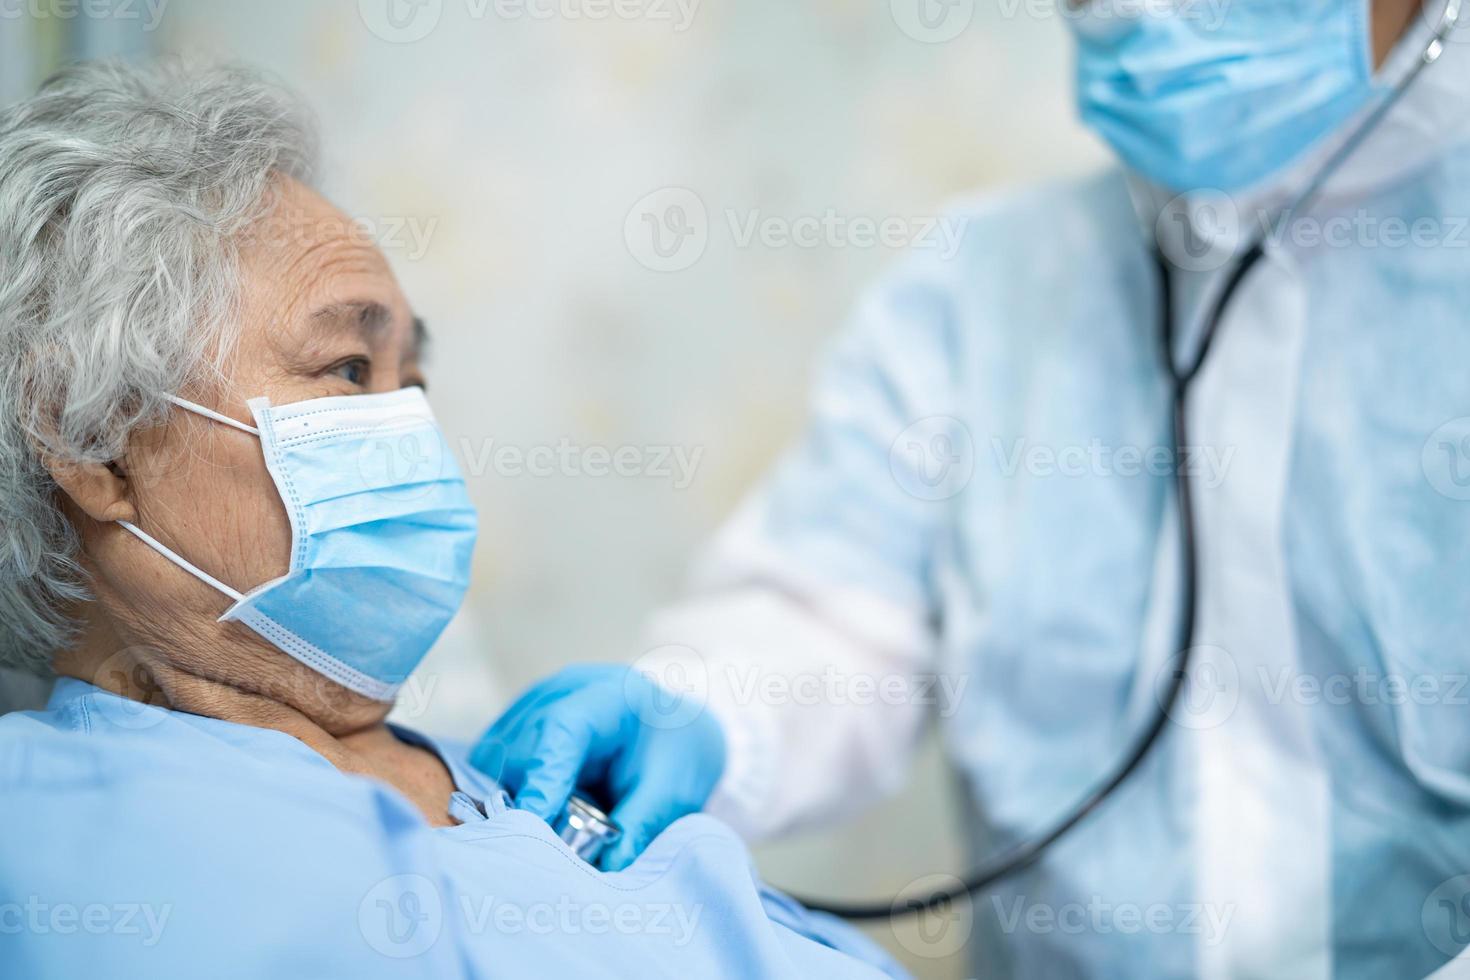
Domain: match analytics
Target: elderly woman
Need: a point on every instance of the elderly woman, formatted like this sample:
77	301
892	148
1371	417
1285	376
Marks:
232	528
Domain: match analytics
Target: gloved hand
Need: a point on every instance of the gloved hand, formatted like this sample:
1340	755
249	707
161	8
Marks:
651	754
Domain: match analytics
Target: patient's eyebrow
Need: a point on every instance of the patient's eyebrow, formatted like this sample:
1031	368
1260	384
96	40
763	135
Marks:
367	317
418	346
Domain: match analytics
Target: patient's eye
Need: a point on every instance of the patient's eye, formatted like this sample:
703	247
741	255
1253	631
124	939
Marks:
354	371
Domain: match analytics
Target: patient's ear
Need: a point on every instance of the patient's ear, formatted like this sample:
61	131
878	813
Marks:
99	490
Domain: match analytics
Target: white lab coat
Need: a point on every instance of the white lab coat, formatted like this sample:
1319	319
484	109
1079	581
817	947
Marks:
1040	582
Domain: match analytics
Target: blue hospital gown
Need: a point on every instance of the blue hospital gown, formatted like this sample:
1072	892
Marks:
142	842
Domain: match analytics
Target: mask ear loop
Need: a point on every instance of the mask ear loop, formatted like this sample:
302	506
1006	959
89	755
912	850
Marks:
178	560
210	413
159	546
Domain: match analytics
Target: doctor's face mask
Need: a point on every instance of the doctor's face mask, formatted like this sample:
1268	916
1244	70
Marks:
1219	93
382	532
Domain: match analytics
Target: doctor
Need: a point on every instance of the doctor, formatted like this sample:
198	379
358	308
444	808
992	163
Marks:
981	525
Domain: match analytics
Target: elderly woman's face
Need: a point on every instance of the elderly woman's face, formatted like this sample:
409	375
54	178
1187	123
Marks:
321	314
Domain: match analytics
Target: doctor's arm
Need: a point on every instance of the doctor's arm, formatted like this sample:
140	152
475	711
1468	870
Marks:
799	657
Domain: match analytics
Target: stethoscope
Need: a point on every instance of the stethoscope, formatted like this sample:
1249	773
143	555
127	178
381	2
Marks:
1182	378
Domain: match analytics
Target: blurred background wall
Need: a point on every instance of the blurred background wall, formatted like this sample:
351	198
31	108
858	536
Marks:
516	157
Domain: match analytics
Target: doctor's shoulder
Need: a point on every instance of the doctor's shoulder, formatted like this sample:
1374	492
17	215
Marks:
1020	222
1001	261
1001	243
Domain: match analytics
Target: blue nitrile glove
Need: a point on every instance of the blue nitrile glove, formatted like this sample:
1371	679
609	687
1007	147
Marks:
653	755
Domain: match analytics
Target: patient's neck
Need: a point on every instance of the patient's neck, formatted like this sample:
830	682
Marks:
349	731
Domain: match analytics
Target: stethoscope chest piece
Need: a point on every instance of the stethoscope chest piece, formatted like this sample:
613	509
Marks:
586	829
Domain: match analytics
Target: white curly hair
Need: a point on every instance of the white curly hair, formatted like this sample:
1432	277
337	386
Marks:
124	190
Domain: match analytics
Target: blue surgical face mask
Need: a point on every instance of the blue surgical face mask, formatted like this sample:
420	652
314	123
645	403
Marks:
1219	94
382	531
